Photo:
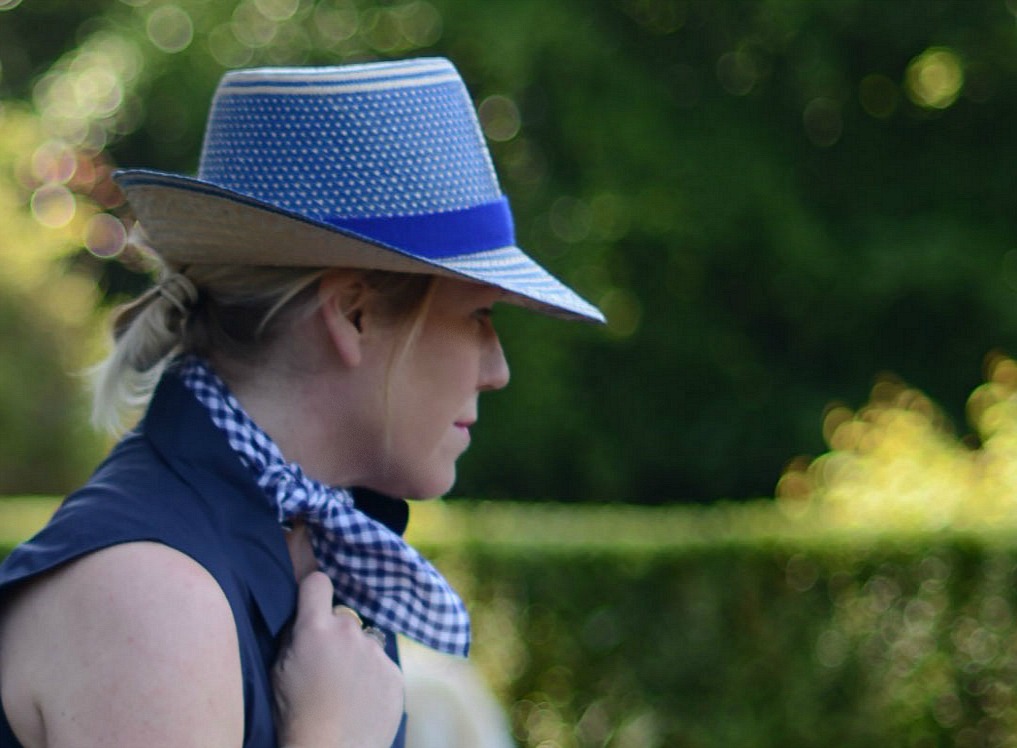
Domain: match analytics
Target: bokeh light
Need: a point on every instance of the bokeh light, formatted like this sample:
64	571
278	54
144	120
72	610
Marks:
251	27
278	10
878	95
291	46
570	219
226	48
53	206
823	121
105	235
380	28
53	162
523	162
657	17
98	92
420	22
335	23
895	463
737	72
500	118
623	312
389	29
934	78
611	217
170	28
86	99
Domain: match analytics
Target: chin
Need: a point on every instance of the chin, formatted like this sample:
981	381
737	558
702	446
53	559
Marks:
424	495
417	484
430	489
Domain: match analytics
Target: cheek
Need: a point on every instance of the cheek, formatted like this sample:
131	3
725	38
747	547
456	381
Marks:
412	413
447	370
428	404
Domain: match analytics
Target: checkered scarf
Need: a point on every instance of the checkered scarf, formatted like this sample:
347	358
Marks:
373	569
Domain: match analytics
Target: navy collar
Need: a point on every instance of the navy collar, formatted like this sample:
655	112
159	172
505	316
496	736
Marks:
181	432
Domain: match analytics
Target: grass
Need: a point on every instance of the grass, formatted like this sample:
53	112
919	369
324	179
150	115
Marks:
21	516
598	529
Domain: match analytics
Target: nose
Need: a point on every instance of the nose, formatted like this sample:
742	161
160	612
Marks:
494	369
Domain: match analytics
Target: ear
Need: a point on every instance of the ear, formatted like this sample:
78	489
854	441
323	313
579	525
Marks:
341	300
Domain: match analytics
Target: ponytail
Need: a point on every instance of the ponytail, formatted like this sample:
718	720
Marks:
233	313
147	333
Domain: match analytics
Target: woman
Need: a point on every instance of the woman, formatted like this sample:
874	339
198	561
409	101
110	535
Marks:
317	344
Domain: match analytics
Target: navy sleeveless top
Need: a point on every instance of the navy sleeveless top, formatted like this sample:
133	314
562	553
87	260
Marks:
175	480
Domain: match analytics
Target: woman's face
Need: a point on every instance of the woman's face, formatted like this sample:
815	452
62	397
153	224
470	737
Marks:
433	386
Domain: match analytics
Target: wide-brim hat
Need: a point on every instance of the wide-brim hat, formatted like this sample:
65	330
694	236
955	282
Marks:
375	165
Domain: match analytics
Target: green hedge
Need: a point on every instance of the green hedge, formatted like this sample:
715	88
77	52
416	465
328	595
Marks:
732	626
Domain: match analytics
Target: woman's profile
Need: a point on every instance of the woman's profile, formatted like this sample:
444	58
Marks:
234	573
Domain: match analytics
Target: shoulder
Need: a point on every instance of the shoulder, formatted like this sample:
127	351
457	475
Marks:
134	644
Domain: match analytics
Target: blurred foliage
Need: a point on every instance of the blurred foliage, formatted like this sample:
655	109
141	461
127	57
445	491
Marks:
22	516
774	201
804	646
47	315
873	603
895	463
727	625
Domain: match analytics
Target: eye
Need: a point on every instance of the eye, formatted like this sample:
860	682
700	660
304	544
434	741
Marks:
483	319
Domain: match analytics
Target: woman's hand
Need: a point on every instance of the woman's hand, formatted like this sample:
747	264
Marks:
334	684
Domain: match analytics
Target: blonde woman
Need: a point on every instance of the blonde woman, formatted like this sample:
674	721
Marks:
234	573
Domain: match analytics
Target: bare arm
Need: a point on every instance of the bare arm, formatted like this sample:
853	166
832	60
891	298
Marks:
132	645
136	645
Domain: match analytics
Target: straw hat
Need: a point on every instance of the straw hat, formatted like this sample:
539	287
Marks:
376	165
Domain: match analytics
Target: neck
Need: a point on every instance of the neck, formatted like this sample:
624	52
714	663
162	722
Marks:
293	406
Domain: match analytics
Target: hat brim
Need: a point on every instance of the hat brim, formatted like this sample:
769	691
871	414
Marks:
189	221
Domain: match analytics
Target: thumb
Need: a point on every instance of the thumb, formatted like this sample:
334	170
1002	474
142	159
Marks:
314	598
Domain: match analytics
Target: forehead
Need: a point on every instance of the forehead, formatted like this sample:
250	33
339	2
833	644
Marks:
453	290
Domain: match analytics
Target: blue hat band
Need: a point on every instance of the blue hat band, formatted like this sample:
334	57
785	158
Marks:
438	235
391	155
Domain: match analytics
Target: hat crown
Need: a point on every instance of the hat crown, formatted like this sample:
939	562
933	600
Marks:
377	165
358	141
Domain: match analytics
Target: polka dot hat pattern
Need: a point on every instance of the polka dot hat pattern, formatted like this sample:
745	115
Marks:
370	165
353	146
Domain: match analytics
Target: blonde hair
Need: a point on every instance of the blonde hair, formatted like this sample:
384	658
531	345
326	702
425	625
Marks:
235	312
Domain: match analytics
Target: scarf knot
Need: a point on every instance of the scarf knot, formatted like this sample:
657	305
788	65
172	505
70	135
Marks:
373	570
298	497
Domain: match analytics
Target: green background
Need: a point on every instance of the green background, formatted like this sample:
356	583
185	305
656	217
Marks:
754	190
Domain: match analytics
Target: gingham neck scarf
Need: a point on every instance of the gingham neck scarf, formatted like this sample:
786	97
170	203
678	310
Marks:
373	569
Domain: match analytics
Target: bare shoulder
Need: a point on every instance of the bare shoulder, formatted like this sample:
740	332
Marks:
131	645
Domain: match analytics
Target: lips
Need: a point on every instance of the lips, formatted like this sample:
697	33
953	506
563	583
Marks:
464	427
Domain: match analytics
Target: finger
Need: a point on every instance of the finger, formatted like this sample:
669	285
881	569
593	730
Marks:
377	634
346	610
314	595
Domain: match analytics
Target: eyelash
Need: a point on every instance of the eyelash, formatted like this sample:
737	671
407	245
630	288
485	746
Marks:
483	317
